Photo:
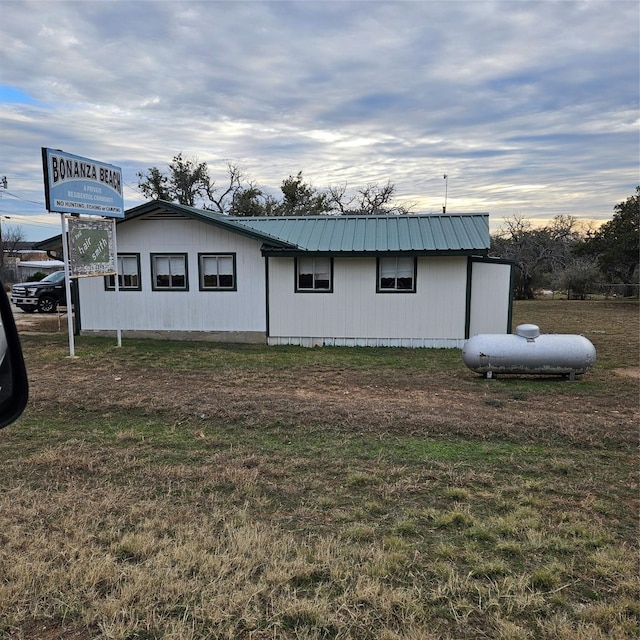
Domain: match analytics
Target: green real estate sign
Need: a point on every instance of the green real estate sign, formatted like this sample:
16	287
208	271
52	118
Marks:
91	247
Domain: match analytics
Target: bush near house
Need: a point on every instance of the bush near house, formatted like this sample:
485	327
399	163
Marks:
37	276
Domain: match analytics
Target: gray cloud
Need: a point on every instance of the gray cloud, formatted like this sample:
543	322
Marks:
529	107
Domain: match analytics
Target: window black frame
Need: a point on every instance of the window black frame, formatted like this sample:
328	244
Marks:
227	254
109	281
299	289
380	289
153	256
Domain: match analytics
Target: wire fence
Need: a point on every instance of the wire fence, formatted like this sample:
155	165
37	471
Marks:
593	292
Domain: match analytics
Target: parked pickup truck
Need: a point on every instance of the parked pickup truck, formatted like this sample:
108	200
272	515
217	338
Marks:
45	295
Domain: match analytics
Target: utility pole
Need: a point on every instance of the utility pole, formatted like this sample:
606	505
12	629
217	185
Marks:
446	189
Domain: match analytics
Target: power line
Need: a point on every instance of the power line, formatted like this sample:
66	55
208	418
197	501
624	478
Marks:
26	218
24	199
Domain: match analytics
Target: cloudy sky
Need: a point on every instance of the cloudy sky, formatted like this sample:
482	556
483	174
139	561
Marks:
530	108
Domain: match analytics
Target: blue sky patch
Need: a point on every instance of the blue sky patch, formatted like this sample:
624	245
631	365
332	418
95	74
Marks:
13	95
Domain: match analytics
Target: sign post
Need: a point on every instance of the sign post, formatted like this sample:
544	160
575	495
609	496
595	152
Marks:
67	284
116	280
80	186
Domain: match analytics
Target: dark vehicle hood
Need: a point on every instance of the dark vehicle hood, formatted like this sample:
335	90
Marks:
39	283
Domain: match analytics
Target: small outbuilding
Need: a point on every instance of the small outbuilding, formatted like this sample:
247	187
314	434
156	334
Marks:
392	280
28	268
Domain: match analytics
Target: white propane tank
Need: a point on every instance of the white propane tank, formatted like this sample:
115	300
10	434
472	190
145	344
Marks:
528	351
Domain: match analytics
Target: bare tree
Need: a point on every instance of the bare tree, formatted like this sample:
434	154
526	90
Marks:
338	199
222	198
541	253
10	239
372	199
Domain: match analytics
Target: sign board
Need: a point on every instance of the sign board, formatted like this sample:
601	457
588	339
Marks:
73	184
91	247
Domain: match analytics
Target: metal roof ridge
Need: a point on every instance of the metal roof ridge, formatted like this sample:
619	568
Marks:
352	216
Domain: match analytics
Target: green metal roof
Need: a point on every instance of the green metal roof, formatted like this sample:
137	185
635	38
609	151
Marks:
376	234
464	233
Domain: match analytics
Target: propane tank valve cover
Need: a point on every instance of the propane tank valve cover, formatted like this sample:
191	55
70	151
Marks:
528	330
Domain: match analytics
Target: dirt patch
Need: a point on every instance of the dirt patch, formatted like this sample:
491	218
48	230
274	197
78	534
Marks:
40	322
449	403
629	372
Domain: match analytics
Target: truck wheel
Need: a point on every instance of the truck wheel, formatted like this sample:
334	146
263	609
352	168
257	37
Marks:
47	304
27	309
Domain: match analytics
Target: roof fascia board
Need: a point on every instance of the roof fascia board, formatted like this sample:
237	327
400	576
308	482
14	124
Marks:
487	259
273	252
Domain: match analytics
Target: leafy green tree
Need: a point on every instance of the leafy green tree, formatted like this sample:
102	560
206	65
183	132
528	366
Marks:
616	245
155	185
301	199
579	278
251	201
188	183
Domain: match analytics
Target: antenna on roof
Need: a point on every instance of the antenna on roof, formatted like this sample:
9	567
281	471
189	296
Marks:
446	189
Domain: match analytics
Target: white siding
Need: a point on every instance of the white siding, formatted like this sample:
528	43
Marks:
490	298
355	314
243	310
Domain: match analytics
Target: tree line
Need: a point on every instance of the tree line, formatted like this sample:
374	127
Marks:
189	182
566	254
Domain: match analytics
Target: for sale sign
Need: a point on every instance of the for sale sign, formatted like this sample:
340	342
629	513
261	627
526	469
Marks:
74	184
91	247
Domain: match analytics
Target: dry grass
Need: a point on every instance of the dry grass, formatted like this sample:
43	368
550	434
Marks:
189	491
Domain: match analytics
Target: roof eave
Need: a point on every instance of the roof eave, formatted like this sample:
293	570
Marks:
269	251
209	217
203	215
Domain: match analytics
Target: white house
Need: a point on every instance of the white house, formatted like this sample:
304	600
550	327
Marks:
411	280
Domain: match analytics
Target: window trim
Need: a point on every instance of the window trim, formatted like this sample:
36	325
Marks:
299	289
380	289
154	286
227	254
112	287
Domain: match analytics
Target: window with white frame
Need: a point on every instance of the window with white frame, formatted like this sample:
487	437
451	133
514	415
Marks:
217	271
396	274
128	273
314	274
169	272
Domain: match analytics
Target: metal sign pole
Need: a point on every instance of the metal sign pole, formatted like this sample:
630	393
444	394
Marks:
117	283
67	284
